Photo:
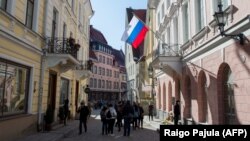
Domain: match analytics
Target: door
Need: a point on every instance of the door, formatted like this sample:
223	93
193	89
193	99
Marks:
52	91
76	95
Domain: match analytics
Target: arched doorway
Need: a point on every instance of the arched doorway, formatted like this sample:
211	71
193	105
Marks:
177	89
169	96
202	98
187	97
226	100
164	97
159	96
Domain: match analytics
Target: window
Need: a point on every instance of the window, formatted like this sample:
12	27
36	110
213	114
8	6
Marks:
91	83
103	84
54	23
29	13
107	84
199	15
162	10
176	41
95	83
64	90
168	3
103	71
80	13
64	34
99	83
100	71
100	58
159	17
3	4
107	72
14	87
104	59
185	22
224	3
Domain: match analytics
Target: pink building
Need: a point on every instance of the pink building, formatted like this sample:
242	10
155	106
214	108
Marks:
207	72
108	79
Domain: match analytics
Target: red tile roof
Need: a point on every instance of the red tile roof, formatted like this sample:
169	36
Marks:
96	35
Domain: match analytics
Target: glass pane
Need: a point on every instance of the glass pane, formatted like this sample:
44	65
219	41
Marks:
2	83
3	4
15	90
64	90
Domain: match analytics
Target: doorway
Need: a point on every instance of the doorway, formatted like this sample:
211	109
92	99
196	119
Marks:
52	92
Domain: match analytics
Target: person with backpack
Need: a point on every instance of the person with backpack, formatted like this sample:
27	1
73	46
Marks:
111	116
136	115
104	120
128	113
84	112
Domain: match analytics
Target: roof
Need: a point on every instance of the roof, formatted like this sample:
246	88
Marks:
96	35
119	57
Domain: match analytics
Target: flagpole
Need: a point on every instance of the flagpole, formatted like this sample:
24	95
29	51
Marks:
157	37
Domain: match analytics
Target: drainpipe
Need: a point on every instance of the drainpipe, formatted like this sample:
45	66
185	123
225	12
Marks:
42	72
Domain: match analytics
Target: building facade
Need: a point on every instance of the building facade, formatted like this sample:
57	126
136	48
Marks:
107	79
134	60
193	63
40	66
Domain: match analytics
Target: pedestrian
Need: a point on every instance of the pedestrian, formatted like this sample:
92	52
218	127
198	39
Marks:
66	110
141	116
84	113
136	115
176	112
111	116
119	115
150	112
104	120
128	117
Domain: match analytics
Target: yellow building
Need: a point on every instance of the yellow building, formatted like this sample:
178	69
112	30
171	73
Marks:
43	60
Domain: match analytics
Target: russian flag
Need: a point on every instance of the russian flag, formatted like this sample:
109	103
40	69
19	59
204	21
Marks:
135	32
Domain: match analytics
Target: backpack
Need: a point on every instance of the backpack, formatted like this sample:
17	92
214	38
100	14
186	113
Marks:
109	114
103	116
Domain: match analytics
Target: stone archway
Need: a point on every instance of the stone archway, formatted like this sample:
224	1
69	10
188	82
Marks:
169	96
187	97
177	89
164	97
225	95
202	98
159	96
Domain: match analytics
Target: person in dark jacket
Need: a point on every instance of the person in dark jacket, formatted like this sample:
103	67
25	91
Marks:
66	110
104	120
128	113
141	116
176	112
84	112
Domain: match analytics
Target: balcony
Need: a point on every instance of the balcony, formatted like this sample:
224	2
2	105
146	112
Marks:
62	53
83	70
167	58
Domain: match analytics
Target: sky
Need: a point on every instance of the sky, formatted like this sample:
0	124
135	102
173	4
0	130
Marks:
109	18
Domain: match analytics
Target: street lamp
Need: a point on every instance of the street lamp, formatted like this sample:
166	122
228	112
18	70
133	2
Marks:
220	19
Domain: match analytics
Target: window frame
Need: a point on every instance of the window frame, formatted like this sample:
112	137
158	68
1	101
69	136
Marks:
27	13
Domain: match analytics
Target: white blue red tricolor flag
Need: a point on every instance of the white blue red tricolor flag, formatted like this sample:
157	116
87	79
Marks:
135	32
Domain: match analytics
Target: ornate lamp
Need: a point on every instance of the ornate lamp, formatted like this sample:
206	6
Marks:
220	19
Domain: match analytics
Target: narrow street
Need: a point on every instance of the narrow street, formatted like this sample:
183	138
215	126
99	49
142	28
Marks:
94	132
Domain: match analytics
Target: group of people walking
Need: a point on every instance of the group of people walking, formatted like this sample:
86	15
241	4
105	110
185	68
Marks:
131	114
112	115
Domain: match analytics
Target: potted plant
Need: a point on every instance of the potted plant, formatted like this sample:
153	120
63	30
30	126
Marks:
48	118
71	41
77	46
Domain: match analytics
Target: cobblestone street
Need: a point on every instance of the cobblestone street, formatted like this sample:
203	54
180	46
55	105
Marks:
94	133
